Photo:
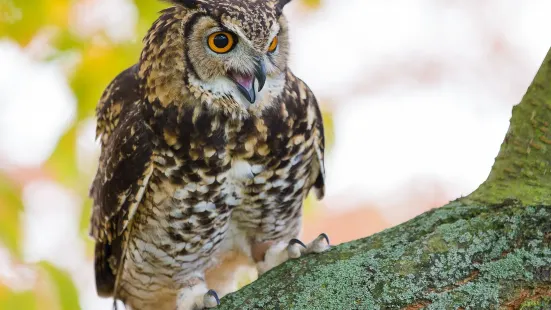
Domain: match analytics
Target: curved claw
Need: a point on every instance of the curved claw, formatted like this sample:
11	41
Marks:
320	244
296	241
294	250
209	302
324	235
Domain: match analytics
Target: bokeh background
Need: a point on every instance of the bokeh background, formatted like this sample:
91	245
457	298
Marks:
416	97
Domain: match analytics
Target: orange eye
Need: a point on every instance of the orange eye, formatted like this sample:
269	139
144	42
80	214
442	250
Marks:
273	45
221	42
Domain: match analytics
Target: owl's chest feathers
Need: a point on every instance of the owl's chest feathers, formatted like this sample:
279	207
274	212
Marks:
198	146
220	184
208	165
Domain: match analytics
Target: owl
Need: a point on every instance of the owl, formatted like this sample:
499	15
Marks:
209	146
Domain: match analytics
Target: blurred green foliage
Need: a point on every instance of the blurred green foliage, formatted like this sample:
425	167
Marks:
17	300
99	60
10	208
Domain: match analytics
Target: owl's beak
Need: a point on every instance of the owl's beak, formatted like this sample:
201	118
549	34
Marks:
260	73
245	83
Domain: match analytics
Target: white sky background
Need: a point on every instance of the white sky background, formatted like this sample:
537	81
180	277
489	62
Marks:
420	90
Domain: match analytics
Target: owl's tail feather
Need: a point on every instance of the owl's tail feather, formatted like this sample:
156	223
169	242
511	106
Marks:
105	275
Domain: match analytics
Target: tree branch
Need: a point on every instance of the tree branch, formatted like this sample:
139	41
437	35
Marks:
522	169
491	249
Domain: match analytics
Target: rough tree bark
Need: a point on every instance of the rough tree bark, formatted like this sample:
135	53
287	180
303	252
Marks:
489	250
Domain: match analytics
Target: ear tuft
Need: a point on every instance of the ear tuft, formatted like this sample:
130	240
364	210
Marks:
190	4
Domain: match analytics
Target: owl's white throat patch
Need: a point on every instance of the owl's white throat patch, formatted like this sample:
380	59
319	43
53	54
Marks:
223	87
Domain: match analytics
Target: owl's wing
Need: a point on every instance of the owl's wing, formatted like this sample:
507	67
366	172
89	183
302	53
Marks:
122	91
125	166
315	120
319	146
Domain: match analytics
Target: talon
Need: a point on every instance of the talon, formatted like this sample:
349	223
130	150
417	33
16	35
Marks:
293	249
211	299
320	244
324	235
296	241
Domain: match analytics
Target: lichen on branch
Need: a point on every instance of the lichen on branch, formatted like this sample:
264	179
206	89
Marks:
522	169
455	256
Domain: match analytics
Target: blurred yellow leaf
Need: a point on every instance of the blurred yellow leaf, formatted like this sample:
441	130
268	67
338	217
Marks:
308	206
11	207
99	65
149	11
67	294
85	216
62	163
23	19
25	300
66	39
314	4
329	129
85	227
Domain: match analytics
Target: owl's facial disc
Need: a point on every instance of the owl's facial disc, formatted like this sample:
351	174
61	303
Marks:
245	82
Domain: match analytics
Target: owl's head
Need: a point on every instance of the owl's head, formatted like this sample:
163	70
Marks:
228	53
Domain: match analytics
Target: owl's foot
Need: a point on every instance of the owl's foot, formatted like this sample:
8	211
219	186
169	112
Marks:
211	300
278	253
283	251
295	248
318	245
197	297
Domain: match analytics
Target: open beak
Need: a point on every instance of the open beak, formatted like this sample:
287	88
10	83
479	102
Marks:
245	82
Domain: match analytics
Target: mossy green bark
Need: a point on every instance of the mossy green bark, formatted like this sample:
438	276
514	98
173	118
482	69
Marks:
522	169
475	257
540	303
489	250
